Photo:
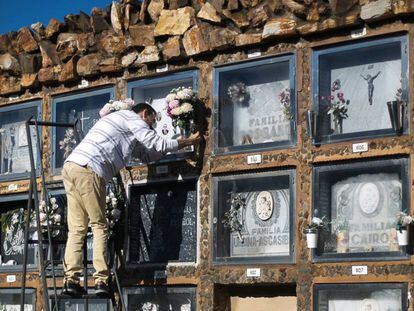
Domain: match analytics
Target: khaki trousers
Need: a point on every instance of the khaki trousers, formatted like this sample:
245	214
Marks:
85	192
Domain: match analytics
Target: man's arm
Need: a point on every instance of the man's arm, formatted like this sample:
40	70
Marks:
194	139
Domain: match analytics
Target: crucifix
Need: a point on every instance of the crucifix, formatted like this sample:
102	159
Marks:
82	118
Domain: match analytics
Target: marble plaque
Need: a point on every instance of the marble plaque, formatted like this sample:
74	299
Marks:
367	113
265	221
262	120
163	223
369	203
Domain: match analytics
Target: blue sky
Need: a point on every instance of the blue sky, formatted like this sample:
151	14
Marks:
15	14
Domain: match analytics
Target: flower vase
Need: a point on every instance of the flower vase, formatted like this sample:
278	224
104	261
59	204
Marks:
311	237
185	132
338	121
402	236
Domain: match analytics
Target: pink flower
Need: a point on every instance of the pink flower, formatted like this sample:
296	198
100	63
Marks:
330	97
104	111
173	104
340	95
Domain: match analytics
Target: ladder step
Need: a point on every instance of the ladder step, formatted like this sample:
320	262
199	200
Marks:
87	296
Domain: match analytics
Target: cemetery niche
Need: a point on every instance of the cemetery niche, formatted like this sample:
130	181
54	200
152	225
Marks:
14	148
361	296
162	223
352	86
182	298
360	203
154	91
253	217
12	222
10	299
254	105
83	108
78	304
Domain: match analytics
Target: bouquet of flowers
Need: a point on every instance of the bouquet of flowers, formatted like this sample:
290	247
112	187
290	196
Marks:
68	143
403	220
338	105
180	107
284	98
116	105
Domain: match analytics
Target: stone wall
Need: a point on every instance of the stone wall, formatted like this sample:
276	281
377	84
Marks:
131	40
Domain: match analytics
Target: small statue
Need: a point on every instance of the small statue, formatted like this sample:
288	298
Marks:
370	81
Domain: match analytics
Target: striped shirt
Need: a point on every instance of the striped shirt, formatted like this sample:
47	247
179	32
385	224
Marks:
114	139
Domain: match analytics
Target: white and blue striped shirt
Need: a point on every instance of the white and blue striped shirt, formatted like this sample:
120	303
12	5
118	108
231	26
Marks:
110	143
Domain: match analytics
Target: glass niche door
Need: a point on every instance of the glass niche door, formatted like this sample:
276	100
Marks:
253	218
352	84
10	299
82	107
361	202
254	105
361	296
154	91
14	146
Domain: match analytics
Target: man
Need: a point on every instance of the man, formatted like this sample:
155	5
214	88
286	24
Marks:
105	150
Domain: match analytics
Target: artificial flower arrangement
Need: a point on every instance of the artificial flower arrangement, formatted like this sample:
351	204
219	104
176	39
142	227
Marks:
284	98
402	223
50	211
68	143
181	103
312	229
116	105
233	215
238	93
338	105
403	220
115	204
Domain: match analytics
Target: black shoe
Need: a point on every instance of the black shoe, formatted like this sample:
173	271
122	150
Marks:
101	289
73	289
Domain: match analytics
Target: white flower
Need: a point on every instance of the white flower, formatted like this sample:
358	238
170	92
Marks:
57	218
114	202
111	195
42	217
52	200
116	214
183	109
317	221
108	199
171	97
55	207
181	95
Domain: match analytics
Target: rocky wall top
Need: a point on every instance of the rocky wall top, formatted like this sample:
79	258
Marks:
131	34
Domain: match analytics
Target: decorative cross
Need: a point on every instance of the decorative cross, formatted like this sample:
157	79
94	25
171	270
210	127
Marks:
82	118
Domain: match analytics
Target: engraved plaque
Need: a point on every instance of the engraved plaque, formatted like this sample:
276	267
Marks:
370	204
265	226
161	298
163	223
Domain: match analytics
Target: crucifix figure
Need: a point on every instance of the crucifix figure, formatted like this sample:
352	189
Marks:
370	81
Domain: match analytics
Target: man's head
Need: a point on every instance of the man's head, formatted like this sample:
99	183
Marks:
146	112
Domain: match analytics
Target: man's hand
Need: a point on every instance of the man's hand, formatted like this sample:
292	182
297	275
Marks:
194	139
